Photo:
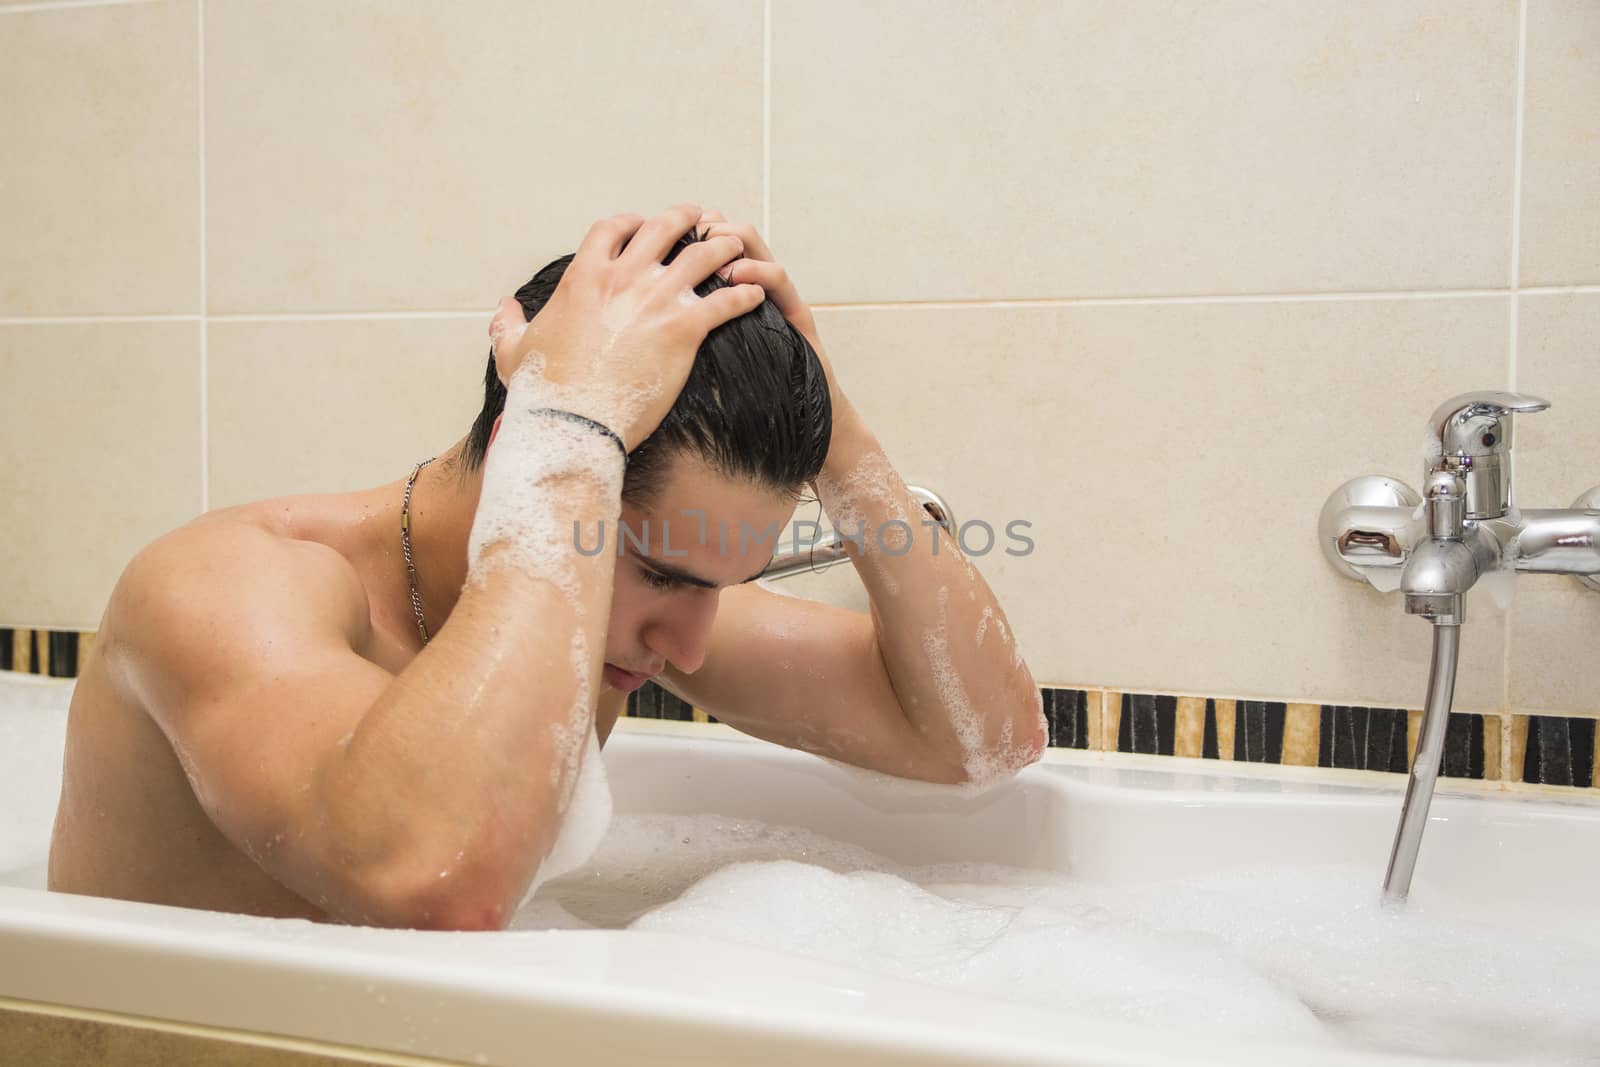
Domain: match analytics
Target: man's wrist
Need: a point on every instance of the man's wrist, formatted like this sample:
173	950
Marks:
849	442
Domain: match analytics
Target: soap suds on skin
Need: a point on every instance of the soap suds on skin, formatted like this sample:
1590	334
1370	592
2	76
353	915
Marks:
586	821
984	621
516	507
518	516
985	764
567	738
873	479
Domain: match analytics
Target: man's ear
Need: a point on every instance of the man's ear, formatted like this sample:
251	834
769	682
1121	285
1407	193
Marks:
493	431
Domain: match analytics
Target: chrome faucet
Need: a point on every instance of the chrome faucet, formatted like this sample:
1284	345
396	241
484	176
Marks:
1436	546
826	550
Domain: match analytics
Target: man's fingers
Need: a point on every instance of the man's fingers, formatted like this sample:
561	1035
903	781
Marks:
506	327
700	260
778	286
607	237
655	238
507	313
725	305
755	246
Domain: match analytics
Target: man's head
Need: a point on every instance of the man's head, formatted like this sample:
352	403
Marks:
747	433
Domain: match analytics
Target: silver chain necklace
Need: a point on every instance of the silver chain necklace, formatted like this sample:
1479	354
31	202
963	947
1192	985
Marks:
405	547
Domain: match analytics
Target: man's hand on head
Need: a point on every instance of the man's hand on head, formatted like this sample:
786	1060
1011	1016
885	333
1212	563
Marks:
617	339
758	266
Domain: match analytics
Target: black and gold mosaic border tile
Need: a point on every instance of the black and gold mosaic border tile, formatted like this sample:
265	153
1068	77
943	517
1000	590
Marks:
1533	749
1538	749
1306	735
55	653
650	701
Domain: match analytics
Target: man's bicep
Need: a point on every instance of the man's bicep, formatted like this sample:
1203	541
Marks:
254	748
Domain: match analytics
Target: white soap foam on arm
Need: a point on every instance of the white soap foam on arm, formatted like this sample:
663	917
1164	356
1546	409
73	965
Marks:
585	822
532	453
985	764
533	456
873	480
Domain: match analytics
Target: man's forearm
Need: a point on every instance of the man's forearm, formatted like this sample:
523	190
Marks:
466	764
946	645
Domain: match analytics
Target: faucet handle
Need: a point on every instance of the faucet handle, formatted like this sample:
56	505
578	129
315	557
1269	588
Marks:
1479	424
1473	432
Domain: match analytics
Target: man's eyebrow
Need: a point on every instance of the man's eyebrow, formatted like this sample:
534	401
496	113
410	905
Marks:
678	574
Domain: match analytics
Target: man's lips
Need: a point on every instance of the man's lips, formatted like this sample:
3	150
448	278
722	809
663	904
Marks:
625	681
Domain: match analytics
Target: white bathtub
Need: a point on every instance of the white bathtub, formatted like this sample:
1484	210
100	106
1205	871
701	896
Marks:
1509	872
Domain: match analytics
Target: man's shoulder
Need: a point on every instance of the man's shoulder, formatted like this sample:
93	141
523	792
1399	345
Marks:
230	577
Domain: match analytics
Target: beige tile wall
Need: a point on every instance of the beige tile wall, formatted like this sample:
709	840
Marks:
1155	280
375	156
318	407
1561	144
99	187
101	437
1046	150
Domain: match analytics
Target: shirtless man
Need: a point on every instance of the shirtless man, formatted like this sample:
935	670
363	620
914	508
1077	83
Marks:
273	722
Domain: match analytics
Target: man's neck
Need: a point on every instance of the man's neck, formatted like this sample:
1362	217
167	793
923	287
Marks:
443	503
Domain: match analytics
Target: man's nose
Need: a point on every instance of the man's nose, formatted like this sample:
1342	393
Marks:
681	637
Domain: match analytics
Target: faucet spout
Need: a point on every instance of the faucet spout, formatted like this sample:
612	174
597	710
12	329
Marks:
1434	580
1445	565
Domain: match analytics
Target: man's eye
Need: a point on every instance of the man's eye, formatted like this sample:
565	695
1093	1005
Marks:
657	581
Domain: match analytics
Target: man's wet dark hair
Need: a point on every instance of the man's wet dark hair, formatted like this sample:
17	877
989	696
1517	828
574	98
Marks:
755	405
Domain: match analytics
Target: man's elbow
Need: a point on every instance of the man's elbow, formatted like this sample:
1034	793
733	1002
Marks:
462	906
1020	751
1021	743
463	914
463	896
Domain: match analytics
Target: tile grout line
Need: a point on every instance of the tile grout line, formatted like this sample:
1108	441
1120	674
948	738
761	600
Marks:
80	320
1053	302
205	302
1516	185
1512	341
1554	290
345	316
766	121
65	5
1352	296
